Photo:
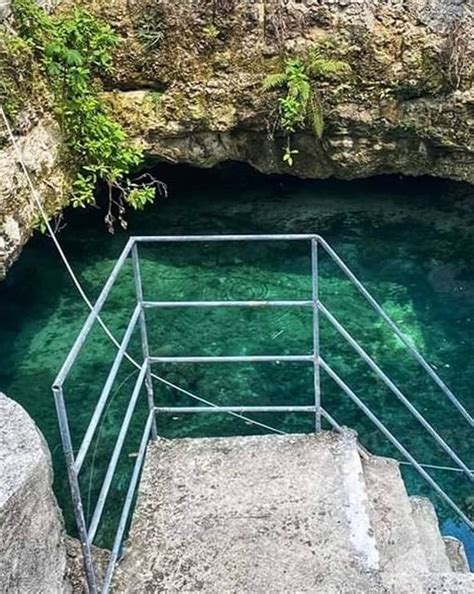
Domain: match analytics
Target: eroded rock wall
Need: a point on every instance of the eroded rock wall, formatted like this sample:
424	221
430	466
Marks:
40	147
402	109
188	88
39	142
32	538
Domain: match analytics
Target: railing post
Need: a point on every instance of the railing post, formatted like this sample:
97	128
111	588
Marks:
144	337
75	490
315	298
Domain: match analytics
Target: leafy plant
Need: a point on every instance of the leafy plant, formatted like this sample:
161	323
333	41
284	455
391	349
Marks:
156	97
288	155
73	50
211	32
301	106
16	72
151	31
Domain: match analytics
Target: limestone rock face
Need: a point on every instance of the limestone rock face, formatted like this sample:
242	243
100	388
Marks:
188	88
32	548
39	145
189	76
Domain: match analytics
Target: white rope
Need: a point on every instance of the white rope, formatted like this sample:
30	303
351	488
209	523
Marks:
102	323
85	298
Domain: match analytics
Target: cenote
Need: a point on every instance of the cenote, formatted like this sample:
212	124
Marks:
409	240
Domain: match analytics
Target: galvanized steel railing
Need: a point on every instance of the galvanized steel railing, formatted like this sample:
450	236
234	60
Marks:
75	461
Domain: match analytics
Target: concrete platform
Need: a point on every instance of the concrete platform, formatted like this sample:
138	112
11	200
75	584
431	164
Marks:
296	513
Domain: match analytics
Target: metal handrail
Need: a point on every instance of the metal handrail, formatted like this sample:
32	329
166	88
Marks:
368	413
411	349
75	463
91	318
389	383
104	395
97	515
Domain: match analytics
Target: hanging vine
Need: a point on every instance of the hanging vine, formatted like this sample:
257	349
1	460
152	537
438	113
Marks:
74	49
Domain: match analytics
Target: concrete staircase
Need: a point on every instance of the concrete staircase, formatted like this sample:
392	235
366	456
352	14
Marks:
296	513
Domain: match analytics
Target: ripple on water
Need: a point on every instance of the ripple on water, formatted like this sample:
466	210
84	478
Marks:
411	242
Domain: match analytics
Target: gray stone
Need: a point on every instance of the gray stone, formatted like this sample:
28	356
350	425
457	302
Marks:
281	514
253	514
32	549
40	150
426	521
398	539
456	554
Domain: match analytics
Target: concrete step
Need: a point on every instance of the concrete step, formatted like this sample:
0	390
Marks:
456	554
293	513
251	514
426	520
396	533
426	583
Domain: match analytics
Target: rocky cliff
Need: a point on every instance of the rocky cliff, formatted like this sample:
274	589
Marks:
188	87
32	536
194	93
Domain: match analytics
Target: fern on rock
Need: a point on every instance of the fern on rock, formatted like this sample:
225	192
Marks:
300	105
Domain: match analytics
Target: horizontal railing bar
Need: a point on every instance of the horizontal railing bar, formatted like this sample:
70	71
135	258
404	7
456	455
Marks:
435	466
104	395
236	359
413	351
398	393
127	505
209	403
104	491
86	328
190	238
166	304
226	409
333	375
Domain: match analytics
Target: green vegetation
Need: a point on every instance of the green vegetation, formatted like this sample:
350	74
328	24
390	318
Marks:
211	32
156	97
72	51
18	73
301	105
151	30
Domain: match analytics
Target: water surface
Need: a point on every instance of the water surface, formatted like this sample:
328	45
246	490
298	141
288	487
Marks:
410	241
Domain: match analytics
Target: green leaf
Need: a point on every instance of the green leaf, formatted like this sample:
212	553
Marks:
324	68
316	118
274	81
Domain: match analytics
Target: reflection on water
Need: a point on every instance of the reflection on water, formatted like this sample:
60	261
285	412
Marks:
410	241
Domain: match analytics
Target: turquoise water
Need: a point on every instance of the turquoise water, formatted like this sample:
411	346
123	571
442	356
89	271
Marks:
410	241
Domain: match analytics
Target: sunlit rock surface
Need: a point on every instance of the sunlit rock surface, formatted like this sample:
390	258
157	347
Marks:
404	108
32	549
187	87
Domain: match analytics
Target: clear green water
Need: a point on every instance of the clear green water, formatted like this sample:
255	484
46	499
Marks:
410	241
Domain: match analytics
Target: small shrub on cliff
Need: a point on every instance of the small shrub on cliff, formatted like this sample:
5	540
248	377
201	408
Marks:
16	73
300	105
73	50
211	32
151	30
